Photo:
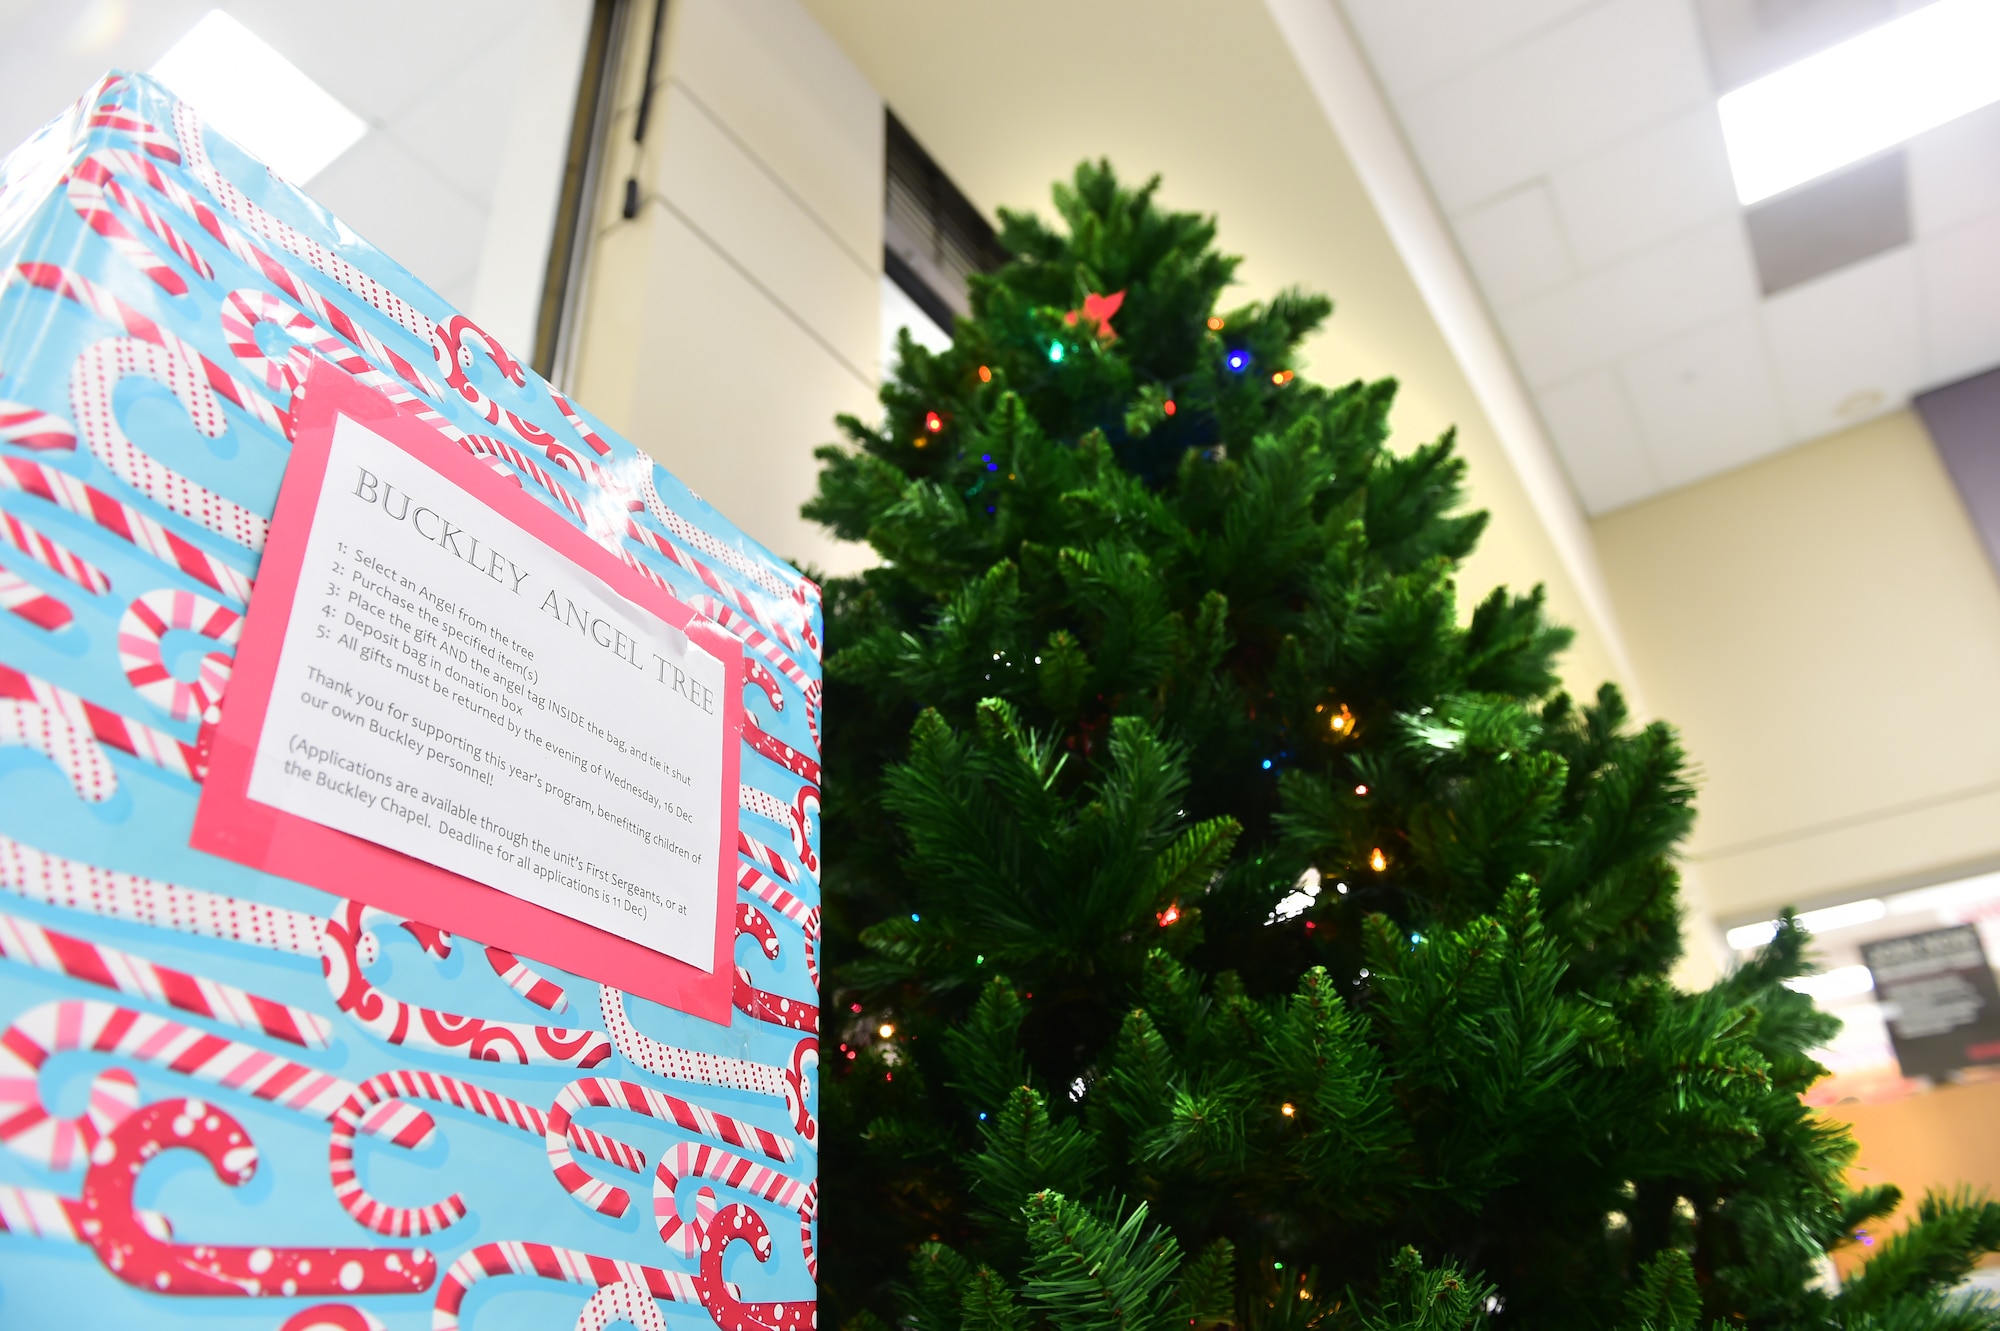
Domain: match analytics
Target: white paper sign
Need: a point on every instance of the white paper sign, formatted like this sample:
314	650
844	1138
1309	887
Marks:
452	688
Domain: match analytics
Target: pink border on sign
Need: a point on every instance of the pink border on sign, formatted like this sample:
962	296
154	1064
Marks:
231	824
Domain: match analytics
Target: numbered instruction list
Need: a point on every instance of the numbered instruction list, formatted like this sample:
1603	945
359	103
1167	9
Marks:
453	688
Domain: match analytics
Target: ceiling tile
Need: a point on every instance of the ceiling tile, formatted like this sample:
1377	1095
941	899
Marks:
1959	274
1515	245
1598	439
1601	76
468	161
381	57
1847	346
1633	304
1645	189
1707	401
1955	172
1416	43
403	208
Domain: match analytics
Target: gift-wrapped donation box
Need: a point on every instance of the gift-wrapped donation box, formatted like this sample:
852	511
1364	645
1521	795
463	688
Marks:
408	797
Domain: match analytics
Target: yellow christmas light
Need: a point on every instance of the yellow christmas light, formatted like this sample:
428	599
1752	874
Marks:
1377	860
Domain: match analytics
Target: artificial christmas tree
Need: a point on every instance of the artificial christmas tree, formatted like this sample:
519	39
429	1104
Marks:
1226	931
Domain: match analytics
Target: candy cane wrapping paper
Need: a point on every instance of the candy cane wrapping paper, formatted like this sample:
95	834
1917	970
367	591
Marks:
412	1098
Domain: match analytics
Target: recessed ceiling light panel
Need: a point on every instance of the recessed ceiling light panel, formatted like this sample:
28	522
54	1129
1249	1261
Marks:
1866	94
257	97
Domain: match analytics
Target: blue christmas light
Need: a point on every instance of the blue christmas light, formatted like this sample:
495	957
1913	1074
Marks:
1267	764
1055	353
914	917
1238	361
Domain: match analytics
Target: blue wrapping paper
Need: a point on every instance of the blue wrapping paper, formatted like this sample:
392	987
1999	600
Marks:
196	1128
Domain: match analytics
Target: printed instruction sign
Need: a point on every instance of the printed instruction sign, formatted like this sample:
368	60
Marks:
1938	993
453	703
454	689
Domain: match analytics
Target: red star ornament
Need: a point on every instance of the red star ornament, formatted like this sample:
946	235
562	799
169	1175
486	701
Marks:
1099	309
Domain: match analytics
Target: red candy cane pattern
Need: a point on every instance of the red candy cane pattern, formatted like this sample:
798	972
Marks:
756	676
105	1216
631	1304
125	522
146	623
395	1022
95	183
791	907
21	597
509	967
774	1008
53	555
112	116
88	1024
242	311
753	923
24	941
187	125
36	1213
452	345
696	1160
31	427
794	817
514	1258
763	743
732	1224
333	1317
104	726
55	880
95	375
56	735
61	1143
526	981
748	633
328	314
101	302
676	1064
765	858
374	1108
740	622
607	1093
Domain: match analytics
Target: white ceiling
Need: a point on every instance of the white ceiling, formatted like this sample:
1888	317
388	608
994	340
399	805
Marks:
438	82
1574	148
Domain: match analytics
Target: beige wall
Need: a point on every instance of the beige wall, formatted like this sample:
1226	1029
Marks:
1008	99
1943	1139
1825	628
723	328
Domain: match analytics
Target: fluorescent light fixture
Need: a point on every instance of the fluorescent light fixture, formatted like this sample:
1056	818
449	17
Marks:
1844	916
1840	982
257	97
1866	94
1960	895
